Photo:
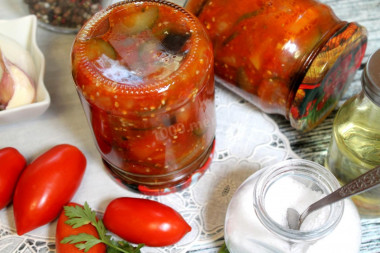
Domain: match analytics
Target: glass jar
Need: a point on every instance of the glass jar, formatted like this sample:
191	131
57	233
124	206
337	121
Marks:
144	74
355	144
62	15
293	58
256	215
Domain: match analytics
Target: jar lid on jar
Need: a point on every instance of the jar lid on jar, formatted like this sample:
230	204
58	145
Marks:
371	78
328	72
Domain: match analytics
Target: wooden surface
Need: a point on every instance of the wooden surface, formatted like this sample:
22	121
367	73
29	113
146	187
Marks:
314	144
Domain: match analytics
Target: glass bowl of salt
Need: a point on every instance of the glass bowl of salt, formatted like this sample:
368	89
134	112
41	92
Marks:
256	216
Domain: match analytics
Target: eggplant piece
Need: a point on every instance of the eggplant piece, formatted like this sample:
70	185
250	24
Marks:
125	23
174	42
243	80
97	47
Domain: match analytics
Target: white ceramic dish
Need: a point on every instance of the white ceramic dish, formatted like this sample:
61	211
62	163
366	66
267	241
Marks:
23	30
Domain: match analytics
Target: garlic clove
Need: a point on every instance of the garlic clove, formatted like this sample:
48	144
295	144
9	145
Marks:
6	84
24	91
16	87
18	55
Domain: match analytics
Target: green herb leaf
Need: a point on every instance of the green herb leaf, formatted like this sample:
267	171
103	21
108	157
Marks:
125	246
223	249
79	216
82	241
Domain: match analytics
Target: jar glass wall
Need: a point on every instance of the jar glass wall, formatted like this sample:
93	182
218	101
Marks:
144	74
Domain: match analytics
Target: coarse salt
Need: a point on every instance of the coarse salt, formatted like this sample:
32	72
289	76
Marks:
288	192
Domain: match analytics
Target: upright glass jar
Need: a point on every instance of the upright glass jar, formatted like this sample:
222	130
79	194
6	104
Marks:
293	58
256	215
355	142
144	74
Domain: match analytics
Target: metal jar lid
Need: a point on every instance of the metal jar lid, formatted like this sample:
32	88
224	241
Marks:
328	76
371	78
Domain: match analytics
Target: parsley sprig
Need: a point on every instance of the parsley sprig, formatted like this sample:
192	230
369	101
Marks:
79	216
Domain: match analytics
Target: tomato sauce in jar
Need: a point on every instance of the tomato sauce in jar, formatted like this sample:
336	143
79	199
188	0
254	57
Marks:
144	74
288	57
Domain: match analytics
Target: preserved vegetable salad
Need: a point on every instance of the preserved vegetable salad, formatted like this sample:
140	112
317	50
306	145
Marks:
144	74
288	57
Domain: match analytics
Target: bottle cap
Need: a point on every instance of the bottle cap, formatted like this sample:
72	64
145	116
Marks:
371	78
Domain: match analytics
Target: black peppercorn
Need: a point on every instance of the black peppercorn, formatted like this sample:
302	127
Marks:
62	13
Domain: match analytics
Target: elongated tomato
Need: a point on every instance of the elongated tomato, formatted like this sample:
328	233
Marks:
11	165
46	185
63	230
145	221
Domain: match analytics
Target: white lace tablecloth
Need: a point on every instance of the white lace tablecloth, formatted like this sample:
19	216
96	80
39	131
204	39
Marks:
246	140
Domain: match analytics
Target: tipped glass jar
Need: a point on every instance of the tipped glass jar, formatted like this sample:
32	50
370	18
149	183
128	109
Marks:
293	58
144	74
256	216
355	142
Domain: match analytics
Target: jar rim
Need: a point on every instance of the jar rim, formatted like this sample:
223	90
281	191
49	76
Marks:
307	169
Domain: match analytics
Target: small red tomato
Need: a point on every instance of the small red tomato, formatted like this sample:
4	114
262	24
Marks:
64	230
11	165
46	185
145	221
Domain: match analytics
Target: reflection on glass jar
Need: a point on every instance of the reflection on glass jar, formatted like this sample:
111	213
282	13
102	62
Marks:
256	216
288	57
144	74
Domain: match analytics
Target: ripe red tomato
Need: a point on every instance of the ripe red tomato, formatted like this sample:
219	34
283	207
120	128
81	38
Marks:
63	230
144	221
11	165
46	185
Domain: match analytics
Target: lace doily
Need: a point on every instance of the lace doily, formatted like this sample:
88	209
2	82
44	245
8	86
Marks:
246	140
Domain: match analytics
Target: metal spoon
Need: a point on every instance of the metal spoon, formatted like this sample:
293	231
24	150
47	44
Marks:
360	184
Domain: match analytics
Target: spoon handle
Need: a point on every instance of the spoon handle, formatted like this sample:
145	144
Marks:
356	186
362	183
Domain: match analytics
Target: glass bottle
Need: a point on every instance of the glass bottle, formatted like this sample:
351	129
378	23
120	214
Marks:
256	215
355	142
144	74
293	58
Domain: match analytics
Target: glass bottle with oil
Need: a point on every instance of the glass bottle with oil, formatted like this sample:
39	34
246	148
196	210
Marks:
355	143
